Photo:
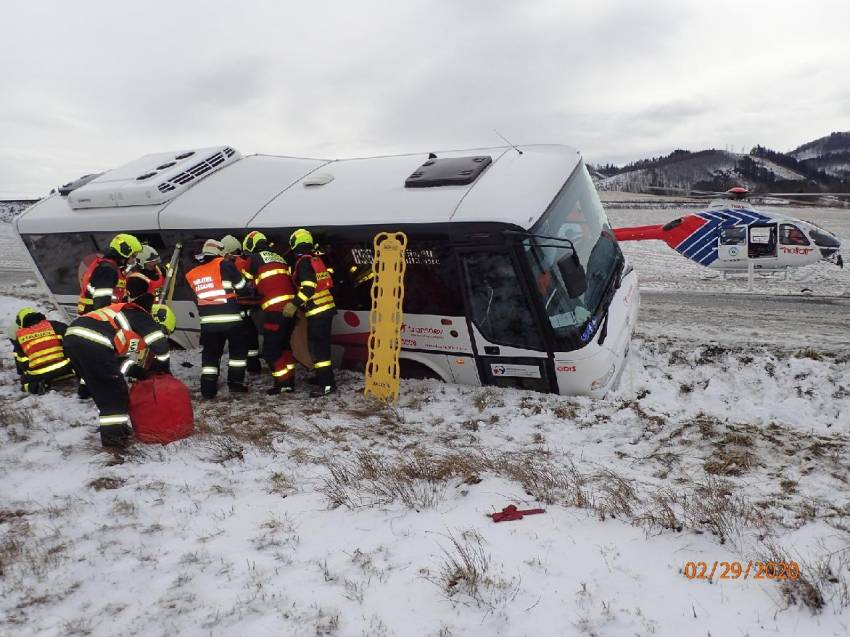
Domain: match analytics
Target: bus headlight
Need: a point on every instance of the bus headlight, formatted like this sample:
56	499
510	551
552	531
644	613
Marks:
604	380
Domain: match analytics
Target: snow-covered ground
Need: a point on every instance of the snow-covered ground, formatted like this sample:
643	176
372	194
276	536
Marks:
289	517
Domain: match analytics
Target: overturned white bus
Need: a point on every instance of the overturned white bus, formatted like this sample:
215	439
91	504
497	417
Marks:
514	277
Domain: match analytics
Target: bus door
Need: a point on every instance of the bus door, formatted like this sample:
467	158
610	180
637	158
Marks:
507	338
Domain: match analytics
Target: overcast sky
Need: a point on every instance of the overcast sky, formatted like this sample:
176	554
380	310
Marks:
91	84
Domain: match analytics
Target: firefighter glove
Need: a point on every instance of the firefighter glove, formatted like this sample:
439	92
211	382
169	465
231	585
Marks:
289	310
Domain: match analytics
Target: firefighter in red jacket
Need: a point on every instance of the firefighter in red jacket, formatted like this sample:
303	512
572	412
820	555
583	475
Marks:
272	279
217	284
39	355
148	269
104	281
247	304
96	344
313	281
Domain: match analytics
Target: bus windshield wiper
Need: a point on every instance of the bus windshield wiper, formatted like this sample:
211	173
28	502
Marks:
533	235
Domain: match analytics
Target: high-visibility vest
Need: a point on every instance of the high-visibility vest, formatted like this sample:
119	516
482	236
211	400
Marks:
205	280
322	299
87	292
215	296
126	340
42	347
273	281
154	285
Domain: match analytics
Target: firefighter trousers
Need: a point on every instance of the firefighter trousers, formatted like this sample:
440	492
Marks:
213	343
252	338
319	342
277	351
100	369
36	383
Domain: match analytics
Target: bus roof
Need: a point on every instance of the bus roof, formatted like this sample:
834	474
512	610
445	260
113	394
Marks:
264	191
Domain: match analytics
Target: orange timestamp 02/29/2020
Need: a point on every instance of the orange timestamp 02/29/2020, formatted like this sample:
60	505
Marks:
756	569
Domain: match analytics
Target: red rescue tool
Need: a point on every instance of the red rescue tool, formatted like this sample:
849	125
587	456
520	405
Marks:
510	513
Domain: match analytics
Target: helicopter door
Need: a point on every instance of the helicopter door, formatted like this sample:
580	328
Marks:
761	243
732	244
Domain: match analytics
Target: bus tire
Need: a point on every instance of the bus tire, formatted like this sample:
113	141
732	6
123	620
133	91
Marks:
415	370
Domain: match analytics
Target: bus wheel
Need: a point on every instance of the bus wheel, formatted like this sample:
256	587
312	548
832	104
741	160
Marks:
412	369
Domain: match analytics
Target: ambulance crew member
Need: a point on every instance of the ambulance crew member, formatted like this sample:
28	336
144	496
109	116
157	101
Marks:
313	283
148	269
273	281
216	284
39	355
248	304
96	343
104	281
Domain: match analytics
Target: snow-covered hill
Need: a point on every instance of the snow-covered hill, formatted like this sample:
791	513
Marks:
821	165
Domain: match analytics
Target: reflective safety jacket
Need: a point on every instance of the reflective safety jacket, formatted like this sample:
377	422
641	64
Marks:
271	277
313	282
38	349
216	285
154	279
103	283
126	329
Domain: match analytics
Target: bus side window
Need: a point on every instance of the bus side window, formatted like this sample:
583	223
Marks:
498	306
58	257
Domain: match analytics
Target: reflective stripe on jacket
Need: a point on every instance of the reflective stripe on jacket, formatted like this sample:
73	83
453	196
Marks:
313	282
42	348
91	296
216	295
272	279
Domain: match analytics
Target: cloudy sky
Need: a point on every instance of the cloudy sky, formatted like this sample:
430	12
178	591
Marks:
91	84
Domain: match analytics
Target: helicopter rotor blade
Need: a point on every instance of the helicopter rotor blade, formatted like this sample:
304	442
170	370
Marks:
799	194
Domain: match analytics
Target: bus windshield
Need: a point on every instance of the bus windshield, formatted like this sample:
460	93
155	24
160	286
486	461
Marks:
575	214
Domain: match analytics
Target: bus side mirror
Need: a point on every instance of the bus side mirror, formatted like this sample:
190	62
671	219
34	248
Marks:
573	275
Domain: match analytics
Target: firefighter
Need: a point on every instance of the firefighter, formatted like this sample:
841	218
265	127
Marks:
96	343
247	304
39	356
148	269
104	281
217	284
273	281
313	283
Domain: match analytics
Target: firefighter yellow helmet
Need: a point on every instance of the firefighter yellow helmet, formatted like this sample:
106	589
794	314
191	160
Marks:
164	315
252	239
300	236
25	312
126	245
231	244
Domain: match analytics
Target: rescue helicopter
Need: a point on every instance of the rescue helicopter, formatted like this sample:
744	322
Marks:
730	235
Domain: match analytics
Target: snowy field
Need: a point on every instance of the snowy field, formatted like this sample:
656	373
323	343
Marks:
284	516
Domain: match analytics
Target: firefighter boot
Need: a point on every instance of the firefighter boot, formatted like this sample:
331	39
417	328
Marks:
237	388
322	390
115	436
285	387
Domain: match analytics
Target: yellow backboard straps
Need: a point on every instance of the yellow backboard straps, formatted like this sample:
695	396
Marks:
385	319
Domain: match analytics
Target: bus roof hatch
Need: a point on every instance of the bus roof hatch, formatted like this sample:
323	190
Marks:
453	171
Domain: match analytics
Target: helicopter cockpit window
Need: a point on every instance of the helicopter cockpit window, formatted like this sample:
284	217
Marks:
791	235
733	236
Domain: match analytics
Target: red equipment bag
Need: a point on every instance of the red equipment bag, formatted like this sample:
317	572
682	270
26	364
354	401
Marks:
161	409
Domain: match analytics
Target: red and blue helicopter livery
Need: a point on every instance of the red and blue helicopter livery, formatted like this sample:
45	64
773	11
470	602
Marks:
731	234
